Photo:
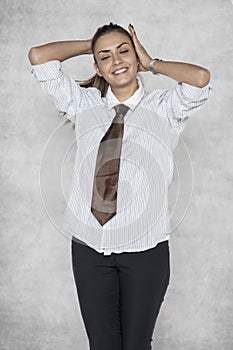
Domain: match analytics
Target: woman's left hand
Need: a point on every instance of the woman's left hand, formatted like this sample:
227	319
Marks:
143	56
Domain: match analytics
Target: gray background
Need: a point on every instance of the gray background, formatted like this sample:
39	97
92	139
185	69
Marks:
39	308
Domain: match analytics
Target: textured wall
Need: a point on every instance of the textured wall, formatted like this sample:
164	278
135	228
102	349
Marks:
39	309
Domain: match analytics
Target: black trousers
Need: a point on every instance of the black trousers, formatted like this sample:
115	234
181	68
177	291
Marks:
120	294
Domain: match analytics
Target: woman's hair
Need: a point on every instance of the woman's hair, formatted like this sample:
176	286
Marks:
97	81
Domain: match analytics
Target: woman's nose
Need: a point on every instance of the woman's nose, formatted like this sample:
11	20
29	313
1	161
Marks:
116	59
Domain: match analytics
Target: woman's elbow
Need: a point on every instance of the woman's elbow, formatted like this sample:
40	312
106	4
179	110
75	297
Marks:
34	56
204	78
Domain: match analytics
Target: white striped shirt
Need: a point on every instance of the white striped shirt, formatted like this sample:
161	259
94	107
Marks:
152	127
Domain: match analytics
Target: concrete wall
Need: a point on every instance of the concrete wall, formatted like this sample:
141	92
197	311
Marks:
39	308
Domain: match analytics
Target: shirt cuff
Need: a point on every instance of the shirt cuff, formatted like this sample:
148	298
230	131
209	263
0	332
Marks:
47	71
191	92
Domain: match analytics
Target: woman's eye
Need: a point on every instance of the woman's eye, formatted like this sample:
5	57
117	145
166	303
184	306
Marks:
104	58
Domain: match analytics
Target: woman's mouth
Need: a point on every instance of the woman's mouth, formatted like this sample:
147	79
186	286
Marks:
120	71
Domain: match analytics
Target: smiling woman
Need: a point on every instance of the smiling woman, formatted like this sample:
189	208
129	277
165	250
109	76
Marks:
116	61
113	49
121	262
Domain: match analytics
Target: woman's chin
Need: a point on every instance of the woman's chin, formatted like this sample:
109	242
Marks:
123	81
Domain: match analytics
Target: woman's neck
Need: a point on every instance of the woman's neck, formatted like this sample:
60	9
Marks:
123	93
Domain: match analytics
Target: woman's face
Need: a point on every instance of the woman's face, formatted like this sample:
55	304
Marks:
116	59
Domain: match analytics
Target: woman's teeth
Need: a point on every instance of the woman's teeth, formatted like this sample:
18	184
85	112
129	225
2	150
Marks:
119	71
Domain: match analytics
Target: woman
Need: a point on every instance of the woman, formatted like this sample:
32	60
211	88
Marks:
121	273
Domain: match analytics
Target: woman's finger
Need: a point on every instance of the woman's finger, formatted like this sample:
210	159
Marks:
133	33
131	27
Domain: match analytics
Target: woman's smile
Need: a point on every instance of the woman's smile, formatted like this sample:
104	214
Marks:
120	71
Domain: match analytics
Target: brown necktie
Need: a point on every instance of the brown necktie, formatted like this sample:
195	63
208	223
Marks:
104	195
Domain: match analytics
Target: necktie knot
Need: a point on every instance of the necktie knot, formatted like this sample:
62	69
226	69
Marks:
121	109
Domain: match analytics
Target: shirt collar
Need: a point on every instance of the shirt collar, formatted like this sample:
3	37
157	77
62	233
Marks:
131	102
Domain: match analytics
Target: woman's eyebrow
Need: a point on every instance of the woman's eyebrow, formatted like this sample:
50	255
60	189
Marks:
116	47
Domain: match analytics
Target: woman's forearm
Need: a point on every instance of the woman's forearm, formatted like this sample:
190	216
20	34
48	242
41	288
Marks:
59	50
183	72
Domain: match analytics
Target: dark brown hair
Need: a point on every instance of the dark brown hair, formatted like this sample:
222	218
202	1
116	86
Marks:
97	81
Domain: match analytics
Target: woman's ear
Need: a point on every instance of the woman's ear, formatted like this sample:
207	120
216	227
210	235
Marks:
97	69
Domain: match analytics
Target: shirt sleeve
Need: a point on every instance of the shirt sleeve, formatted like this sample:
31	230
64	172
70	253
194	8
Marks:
63	89
180	102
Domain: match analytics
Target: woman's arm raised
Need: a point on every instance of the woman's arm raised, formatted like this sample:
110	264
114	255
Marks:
59	50
180	71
